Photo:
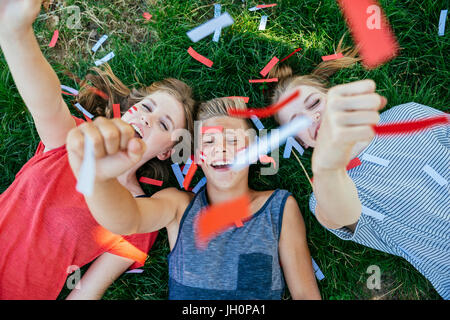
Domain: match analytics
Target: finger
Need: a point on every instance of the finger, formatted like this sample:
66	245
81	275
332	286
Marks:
110	134
354	88
75	142
135	149
371	101
126	132
92	132
355	134
357	118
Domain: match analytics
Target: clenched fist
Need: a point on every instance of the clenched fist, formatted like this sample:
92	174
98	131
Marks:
351	111
17	16
116	148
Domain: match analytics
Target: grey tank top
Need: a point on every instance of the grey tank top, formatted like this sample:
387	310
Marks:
240	263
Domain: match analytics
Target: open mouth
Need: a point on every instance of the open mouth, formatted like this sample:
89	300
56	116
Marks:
137	131
220	165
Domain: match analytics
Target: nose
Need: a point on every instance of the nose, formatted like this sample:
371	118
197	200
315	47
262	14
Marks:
147	120
315	117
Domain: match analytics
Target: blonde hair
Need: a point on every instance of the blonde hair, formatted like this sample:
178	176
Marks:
318	78
219	107
106	81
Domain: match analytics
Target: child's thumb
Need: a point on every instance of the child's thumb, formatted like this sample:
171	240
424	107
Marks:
136	149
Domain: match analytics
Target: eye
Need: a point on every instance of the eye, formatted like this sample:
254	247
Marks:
164	126
207	140
315	104
147	108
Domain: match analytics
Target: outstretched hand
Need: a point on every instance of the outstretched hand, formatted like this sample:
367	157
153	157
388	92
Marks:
351	111
17	15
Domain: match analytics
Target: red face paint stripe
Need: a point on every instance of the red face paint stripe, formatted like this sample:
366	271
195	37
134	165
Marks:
410	126
264	112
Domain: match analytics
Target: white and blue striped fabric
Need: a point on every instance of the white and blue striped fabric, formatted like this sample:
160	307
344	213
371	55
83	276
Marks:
411	202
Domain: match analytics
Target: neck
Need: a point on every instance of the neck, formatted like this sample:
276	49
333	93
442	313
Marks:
129	181
218	195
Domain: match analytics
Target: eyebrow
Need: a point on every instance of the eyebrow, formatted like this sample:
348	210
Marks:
167	116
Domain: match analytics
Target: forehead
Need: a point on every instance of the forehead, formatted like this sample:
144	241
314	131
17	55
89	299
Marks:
295	105
168	105
225	122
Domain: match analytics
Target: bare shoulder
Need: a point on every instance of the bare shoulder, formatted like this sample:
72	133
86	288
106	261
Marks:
180	199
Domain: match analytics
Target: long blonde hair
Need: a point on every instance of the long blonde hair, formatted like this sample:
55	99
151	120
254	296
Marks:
106	81
318	78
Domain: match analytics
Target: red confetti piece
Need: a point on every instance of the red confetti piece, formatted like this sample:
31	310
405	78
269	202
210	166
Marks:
67	93
263	80
82	82
291	54
189	175
116	111
264	112
246	99
200	58
87	118
353	163
332	57
266	159
262	6
220	217
269	66
212	129
410	126
147	16
370	30
54	39
151	181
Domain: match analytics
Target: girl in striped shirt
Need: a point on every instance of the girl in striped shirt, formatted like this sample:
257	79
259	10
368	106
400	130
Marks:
397	199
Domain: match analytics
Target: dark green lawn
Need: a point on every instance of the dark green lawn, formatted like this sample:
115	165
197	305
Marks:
146	52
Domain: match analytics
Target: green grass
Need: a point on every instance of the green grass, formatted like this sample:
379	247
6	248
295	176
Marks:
146	52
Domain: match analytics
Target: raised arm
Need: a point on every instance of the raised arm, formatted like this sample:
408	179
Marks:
350	112
294	255
111	204
35	79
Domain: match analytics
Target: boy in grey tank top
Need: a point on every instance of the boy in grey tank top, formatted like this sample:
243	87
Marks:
251	261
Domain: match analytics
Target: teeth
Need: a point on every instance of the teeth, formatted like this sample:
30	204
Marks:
221	163
137	130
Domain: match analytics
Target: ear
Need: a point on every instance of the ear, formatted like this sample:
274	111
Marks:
165	155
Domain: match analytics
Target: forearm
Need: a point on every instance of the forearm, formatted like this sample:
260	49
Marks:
114	207
36	81
337	197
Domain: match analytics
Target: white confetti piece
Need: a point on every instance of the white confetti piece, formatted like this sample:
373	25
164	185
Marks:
85	112
269	143
86	176
217	11
262	23
254	9
317	271
210	26
435	175
69	89
99	43
187	166
257	122
105	59
374	159
135	271
442	19
291	142
200	184
372	213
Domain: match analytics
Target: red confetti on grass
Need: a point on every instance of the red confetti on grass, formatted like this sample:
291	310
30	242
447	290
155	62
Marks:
263	80
151	181
81	83
147	16
262	6
291	54
410	126
269	66
197	56
333	57
189	175
54	39
218	218
68	94
264	112
376	41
